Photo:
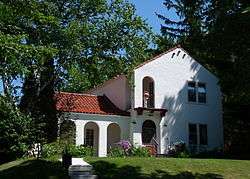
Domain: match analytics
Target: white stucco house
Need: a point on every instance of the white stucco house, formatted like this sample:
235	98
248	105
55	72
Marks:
172	98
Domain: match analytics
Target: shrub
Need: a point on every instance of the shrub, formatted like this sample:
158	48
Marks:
140	152
51	149
15	131
81	151
116	152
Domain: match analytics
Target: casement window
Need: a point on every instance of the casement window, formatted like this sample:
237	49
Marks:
192	134
203	134
201	93
198	134
197	92
191	91
89	139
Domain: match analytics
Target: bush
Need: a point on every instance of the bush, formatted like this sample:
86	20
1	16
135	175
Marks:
15	131
51	149
116	152
140	152
81	151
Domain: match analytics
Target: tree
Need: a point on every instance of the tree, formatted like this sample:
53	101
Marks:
15	131
189	30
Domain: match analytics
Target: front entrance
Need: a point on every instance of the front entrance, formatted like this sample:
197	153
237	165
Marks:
149	136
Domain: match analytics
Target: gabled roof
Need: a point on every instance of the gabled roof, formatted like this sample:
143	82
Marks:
104	83
160	55
85	103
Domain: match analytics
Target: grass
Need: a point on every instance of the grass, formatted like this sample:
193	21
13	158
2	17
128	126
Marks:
33	169
142	168
173	168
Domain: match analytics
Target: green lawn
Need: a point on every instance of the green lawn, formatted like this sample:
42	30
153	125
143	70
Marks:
170	168
129	168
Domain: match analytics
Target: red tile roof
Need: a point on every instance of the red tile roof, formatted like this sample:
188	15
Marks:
85	103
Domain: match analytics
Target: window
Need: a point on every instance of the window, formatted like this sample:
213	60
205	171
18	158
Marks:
192	134
203	134
198	134
148	92
201	93
89	140
197	92
191	92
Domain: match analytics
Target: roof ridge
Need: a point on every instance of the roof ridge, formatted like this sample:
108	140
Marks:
80	94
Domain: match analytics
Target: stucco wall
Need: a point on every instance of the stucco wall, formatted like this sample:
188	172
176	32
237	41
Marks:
170	77
102	121
117	90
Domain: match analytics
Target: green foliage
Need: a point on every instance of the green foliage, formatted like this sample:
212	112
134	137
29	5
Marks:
67	132
57	149
15	131
133	151
116	152
184	154
81	151
51	149
140	152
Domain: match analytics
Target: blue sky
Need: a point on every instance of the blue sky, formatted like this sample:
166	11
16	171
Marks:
147	10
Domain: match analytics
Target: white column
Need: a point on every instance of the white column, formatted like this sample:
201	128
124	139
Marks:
102	147
79	132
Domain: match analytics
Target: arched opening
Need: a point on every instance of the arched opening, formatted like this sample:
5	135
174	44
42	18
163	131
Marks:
113	135
91	135
67	132
148	92
148	133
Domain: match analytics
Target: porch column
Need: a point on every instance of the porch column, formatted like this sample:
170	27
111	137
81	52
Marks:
79	132
102	152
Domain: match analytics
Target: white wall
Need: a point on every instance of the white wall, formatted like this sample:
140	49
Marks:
117	90
102	121
170	76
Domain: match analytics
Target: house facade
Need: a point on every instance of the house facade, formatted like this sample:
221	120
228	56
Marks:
171	98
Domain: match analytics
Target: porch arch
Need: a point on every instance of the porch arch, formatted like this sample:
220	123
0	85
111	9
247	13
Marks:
91	135
113	135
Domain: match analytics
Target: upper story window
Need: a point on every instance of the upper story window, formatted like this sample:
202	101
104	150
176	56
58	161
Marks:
191	91
197	92
201	93
148	92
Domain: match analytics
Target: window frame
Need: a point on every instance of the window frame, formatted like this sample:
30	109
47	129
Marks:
197	92
205	94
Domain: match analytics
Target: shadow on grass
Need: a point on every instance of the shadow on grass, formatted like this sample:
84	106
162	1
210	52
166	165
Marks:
107	170
35	169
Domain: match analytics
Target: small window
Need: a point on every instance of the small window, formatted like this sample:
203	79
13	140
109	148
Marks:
178	53
203	134
192	134
191	91
89	140
183	56
173	55
202	93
